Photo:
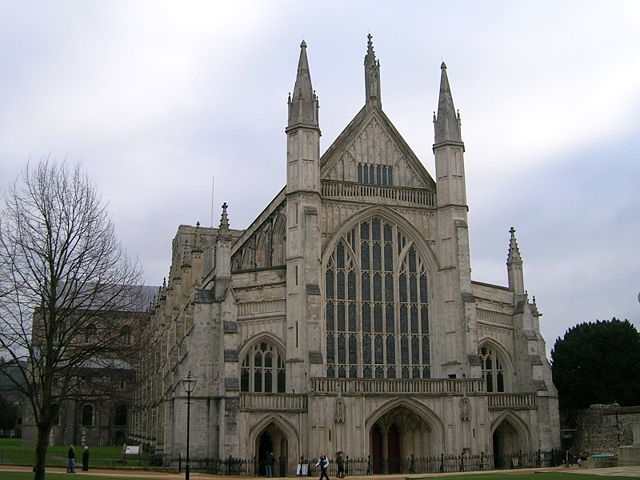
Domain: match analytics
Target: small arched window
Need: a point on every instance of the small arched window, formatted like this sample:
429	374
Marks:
87	415
90	333
263	370
125	334
121	415
492	369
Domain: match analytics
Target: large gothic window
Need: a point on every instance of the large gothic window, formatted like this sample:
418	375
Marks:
492	369
377	309
262	370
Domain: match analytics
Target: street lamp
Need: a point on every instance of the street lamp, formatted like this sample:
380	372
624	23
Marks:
188	384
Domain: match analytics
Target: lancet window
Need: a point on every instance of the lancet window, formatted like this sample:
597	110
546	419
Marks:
377	307
263	370
492	369
375	174
87	415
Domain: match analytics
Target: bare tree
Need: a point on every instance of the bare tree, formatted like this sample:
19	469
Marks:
65	281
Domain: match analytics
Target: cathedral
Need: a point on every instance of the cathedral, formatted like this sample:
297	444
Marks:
344	318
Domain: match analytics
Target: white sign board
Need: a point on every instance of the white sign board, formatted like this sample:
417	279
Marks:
132	450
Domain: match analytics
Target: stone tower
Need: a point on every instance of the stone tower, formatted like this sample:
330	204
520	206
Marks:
304	357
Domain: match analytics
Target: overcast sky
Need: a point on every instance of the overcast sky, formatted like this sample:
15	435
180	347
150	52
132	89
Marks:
156	98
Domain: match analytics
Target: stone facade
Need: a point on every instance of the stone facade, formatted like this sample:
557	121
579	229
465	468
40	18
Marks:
344	317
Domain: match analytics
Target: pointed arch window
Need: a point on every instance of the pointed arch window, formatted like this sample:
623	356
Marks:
279	241
263	370
377	307
263	249
121	414
125	334
87	415
492	369
90	333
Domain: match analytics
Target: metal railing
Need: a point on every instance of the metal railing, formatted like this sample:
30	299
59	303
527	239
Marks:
284	467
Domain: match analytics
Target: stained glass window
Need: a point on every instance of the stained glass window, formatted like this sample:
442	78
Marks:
377	303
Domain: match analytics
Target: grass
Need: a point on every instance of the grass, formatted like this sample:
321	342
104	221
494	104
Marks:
12	452
528	476
60	476
485	476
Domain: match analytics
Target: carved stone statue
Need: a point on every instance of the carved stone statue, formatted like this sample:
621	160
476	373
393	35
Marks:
465	409
340	410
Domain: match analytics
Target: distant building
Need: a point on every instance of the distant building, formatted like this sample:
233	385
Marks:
98	409
12	398
344	317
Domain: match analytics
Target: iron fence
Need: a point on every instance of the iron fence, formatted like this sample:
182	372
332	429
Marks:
369	466
57	457
284	466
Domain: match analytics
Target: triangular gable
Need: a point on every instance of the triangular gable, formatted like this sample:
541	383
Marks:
370	138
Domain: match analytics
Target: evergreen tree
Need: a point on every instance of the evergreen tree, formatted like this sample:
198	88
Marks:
597	362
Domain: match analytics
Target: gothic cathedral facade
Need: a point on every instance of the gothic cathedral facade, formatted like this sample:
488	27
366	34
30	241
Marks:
344	317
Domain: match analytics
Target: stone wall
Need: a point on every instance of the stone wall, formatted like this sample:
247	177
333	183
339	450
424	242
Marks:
597	430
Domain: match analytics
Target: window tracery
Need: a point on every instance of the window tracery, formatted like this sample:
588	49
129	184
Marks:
492	369
377	308
263	370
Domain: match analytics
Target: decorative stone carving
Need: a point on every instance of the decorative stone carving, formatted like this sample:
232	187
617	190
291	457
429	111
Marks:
465	410
340	412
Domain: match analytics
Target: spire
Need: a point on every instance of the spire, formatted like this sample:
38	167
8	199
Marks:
371	75
224	221
514	265
514	257
447	123
303	104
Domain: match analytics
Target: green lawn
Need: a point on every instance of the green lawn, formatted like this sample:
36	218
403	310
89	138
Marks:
486	476
514	475
58	476
12	452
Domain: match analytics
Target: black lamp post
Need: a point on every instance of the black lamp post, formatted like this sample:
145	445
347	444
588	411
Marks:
188	384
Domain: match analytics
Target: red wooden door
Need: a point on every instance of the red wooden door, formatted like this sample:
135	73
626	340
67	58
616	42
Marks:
393	449
376	450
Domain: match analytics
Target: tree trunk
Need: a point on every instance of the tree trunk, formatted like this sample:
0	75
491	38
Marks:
41	451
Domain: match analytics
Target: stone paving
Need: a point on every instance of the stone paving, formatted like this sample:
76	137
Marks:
629	472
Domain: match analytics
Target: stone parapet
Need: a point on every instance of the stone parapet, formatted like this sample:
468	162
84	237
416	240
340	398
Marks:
432	386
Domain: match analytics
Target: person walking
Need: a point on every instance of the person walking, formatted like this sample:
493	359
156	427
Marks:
323	463
268	466
71	460
340	464
85	459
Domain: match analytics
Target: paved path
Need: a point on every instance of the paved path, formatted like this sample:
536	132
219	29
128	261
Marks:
629	472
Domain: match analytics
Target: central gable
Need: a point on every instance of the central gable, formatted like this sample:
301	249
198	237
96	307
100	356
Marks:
370	150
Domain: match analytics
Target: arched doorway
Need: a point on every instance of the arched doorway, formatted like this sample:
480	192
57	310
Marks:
506	445
396	437
272	441
120	438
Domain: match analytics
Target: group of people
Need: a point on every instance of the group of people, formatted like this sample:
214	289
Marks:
323	463
71	459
